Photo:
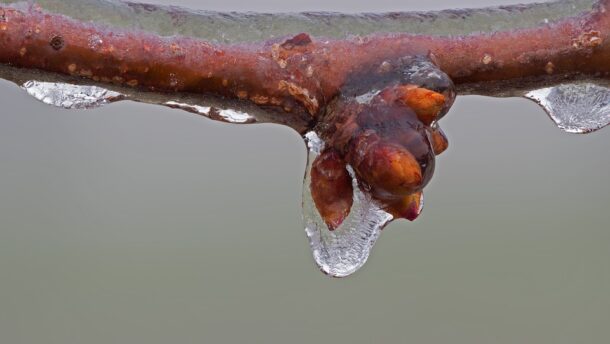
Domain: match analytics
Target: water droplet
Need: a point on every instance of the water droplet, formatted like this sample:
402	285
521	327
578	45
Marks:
223	115
341	252
69	96
575	108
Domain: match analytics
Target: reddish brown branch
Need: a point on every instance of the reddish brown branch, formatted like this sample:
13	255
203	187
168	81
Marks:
300	74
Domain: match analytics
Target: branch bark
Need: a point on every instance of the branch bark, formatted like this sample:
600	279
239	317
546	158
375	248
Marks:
300	74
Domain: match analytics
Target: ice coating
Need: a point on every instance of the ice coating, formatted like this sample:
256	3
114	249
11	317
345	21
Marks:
341	252
297	74
69	96
575	108
223	115
75	90
370	157
232	27
72	96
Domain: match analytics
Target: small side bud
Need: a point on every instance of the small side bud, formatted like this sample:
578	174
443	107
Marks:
409	207
439	141
331	188
427	104
389	169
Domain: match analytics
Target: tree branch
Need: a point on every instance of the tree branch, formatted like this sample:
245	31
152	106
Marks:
304	73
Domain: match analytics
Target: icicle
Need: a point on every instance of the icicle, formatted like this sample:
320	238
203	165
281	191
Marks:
344	250
575	108
69	96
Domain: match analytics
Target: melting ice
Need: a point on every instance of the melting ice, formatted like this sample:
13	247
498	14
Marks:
341	252
224	115
575	108
69	96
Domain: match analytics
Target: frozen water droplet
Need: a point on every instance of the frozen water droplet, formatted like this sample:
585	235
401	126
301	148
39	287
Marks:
575	108
201	110
223	115
341	252
314	142
69	96
231	116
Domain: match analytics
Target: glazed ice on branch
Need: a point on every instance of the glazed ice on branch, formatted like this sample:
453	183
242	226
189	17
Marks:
366	91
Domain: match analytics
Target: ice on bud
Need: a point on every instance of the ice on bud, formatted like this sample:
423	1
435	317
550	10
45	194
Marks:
438	140
427	104
388	168
423	73
341	252
331	188
409	207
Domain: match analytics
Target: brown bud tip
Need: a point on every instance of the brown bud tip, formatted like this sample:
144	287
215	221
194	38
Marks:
389	169
331	188
439	141
408	207
425	103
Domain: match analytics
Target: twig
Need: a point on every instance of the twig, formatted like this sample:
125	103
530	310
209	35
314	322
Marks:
302	73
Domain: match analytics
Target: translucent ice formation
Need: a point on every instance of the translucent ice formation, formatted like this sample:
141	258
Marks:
345	249
575	108
70	96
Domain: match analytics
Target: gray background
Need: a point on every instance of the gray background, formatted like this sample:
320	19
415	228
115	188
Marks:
140	224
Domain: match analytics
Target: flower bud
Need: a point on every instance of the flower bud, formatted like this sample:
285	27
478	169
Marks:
390	170
427	104
438	140
331	188
408	207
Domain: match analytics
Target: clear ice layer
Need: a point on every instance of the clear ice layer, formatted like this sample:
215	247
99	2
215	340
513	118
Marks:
575	108
235	27
224	115
69	96
341	252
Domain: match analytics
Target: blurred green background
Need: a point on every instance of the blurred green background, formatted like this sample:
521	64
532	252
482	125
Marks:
139	224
